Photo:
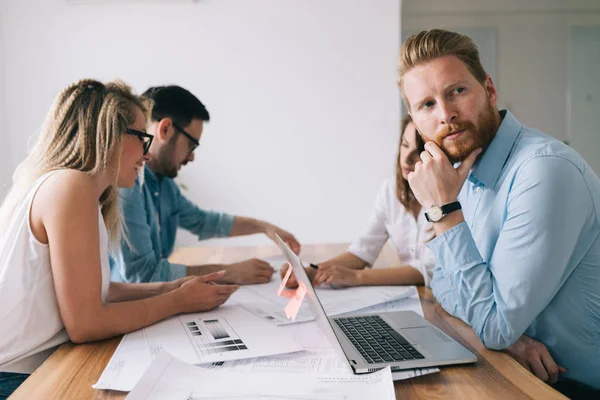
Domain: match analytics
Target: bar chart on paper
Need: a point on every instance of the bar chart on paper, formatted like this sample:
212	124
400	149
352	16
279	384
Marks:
227	333
213	336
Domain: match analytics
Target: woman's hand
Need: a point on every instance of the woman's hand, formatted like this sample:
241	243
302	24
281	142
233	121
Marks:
199	293
212	277
337	276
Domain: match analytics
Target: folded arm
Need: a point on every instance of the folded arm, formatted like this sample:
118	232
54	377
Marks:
501	298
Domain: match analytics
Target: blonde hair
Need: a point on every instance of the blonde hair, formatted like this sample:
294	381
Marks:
429	45
82	131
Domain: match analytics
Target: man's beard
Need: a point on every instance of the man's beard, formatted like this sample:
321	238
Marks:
472	138
167	165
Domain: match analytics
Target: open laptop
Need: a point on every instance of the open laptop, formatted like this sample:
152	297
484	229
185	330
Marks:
401	339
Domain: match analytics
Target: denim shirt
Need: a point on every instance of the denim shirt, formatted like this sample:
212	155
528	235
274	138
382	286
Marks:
152	212
527	258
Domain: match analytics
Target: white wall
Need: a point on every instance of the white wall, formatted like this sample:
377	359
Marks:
584	94
301	93
532	48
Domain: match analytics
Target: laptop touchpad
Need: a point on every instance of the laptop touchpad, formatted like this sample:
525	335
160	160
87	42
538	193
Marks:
424	335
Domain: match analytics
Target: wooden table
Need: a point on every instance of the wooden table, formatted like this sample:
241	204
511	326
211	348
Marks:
72	369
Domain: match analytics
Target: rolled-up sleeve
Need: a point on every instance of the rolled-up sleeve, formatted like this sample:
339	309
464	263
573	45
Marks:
204	224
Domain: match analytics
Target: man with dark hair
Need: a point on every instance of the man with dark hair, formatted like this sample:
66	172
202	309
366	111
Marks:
522	256
155	208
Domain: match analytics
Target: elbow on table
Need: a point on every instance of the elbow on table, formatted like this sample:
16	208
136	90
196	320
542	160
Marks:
83	330
495	345
496	340
80	334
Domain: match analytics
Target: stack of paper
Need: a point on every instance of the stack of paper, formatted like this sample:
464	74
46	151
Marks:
198	355
169	378
227	333
320	356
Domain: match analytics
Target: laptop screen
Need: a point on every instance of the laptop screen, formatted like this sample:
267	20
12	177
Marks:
312	299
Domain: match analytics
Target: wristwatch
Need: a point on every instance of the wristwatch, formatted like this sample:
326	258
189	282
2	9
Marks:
436	213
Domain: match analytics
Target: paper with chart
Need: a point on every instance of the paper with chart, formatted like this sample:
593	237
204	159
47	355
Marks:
171	379
227	333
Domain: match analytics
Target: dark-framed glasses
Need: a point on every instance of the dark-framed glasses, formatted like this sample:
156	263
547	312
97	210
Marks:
144	137
194	142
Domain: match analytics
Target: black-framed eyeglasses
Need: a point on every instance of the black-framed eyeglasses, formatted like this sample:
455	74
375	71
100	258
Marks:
193	140
144	137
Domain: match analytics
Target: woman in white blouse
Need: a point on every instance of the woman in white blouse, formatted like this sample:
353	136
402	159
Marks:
56	225
397	216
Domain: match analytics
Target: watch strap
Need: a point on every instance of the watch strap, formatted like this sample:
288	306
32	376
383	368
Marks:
448	208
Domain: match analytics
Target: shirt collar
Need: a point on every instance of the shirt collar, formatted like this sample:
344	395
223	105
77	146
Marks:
488	168
150	178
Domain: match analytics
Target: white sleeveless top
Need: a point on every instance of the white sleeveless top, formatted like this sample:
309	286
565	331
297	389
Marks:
30	324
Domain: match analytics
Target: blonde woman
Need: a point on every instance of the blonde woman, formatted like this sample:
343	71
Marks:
56	226
397	216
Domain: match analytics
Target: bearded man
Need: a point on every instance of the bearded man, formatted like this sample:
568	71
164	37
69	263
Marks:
155	208
517	222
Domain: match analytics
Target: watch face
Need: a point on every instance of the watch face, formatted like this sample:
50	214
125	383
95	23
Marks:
434	213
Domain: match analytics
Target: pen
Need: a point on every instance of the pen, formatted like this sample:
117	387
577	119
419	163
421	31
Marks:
315	266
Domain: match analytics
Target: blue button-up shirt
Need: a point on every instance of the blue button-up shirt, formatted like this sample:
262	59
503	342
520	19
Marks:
152	212
527	258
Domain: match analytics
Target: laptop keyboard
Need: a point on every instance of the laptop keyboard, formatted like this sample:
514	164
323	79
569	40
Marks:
376	341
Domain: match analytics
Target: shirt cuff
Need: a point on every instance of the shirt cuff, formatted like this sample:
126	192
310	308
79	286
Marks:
177	271
455	248
420	266
226	224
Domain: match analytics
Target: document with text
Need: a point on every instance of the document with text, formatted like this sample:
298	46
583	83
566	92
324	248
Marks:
169	378
227	333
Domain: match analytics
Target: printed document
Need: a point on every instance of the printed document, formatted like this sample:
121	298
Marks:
227	333
169	378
